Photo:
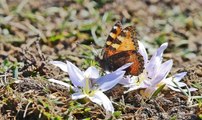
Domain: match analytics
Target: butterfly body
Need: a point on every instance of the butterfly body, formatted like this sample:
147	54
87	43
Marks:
122	47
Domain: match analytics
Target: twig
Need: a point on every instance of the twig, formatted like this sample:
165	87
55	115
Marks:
21	5
36	31
39	50
4	6
24	115
5	77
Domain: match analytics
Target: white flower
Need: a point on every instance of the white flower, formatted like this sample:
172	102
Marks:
174	82
89	84
154	74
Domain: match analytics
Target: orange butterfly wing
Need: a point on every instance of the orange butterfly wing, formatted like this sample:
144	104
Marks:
121	48
111	39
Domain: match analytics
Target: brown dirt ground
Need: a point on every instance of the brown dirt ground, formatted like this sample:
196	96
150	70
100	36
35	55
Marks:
31	97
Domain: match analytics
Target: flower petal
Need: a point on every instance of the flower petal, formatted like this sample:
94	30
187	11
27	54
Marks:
61	83
95	99
193	89
99	97
173	88
110	80
162	72
127	81
169	82
91	72
76	75
176	78
149	92
185	90
124	66
179	76
161	49
135	87
156	60
78	95
143	51
61	65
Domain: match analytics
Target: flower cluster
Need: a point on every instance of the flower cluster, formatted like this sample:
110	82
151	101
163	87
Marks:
91	85
155	74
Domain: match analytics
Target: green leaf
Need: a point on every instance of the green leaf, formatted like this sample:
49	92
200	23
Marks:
117	114
200	116
87	109
158	91
15	72
86	119
161	39
173	118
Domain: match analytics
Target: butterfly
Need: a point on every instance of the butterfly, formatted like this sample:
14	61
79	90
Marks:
121	47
